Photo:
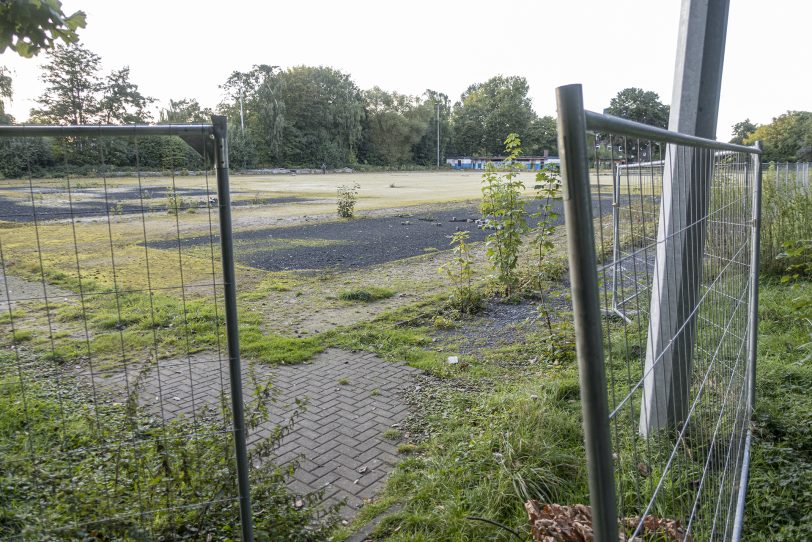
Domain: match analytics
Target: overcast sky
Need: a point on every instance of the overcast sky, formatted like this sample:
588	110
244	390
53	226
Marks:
187	49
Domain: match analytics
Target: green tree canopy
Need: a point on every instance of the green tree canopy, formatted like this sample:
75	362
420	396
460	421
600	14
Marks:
641	106
316	111
122	103
396	123
29	26
741	130
72	86
5	94
488	112
787	138
183	111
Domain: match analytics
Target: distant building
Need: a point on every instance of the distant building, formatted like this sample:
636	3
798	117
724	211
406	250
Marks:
531	163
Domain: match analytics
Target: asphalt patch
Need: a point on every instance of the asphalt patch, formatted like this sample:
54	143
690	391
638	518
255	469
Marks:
357	243
94	202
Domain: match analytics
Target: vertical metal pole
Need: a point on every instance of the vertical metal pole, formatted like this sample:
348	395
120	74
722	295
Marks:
616	237
752	340
754	264
438	135
586	308
232	325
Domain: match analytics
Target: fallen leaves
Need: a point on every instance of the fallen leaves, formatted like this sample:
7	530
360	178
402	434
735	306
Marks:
561	523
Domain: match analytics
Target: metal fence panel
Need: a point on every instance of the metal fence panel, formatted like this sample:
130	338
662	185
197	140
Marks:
664	294
120	374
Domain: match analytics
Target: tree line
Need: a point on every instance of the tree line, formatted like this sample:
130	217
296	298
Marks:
307	116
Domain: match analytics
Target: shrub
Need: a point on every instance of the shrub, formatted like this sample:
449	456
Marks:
502	204
347	198
464	298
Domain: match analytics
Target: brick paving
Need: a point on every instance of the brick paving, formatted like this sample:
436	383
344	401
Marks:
337	437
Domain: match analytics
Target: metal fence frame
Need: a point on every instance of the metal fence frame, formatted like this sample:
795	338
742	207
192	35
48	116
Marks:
573	124
211	141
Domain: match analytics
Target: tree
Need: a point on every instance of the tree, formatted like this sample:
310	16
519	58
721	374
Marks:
425	151
72	86
184	111
29	26
122	103
488	112
542	136
741	130
396	123
640	106
316	112
5	94
787	138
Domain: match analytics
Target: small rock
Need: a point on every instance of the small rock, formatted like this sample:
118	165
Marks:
362	470
299	503
643	469
452	360
356	480
345	522
534	397
176	398
406	223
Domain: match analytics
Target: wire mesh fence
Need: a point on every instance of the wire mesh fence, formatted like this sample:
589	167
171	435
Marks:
119	418
788	175
664	293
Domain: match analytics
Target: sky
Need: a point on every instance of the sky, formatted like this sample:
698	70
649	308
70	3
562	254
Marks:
187	49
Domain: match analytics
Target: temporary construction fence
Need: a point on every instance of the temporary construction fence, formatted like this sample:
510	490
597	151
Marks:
790	175
665	292
120	377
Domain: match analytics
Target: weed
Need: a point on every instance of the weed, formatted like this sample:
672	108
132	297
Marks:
406	448
443	323
343	381
366	295
392	434
464	298
374	393
347	198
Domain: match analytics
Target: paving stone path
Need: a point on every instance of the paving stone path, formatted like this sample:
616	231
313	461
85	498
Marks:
351	399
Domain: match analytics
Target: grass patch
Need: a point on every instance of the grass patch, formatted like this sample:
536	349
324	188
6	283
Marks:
780	487
392	434
366	295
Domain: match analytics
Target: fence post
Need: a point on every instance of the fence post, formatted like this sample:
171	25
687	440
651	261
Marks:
586	309
755	261
232	324
680	247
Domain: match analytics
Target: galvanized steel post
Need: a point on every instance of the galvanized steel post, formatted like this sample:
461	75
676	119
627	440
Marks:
586	308
232	325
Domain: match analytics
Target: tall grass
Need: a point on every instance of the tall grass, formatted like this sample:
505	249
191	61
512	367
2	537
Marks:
786	221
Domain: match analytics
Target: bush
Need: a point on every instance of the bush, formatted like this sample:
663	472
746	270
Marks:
347	198
502	204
